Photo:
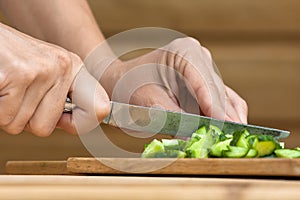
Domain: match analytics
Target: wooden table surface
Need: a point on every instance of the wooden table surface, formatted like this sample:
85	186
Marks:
126	187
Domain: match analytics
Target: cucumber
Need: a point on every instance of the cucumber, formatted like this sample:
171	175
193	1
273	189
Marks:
170	154
251	139
216	129
264	148
235	152
287	153
197	150
201	131
201	148
174	144
166	142
213	142
217	149
252	153
239	139
153	148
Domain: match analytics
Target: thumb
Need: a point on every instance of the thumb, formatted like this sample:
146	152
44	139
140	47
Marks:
92	105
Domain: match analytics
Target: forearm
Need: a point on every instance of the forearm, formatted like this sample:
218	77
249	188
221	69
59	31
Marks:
67	23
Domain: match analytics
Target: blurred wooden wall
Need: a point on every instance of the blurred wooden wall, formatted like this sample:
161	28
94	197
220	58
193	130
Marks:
256	45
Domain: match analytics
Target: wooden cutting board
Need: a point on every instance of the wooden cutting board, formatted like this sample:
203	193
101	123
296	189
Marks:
157	166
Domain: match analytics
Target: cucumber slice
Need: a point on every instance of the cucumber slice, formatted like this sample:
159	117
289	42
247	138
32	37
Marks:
235	152
252	153
264	148
169	154
197	150
153	148
287	153
297	148
252	139
201	131
201	148
169	142
217	149
174	144
216	129
229	136
239	139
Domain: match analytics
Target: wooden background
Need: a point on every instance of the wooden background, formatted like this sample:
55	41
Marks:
256	45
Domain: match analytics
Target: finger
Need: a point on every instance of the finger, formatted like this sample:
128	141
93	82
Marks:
231	114
92	103
10	103
210	97
34	94
157	97
195	64
239	104
49	111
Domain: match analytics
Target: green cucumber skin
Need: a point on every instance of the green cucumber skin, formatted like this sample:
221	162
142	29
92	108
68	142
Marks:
252	153
212	142
235	152
287	153
217	149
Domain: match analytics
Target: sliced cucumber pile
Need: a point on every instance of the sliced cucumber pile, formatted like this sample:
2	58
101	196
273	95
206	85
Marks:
213	143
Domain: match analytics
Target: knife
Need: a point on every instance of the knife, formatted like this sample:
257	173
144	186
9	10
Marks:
155	120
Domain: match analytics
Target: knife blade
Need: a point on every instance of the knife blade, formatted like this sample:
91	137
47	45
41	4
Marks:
155	120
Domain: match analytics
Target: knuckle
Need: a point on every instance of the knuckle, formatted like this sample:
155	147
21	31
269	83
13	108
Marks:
41	130
103	110
13	130
6	118
64	62
26	76
186	41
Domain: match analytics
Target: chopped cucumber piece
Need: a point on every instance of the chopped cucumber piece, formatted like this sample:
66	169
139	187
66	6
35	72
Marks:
216	129
154	147
252	139
229	136
235	152
239	139
297	148
170	154
218	148
169	142
201	131
287	153
200	149
281	145
264	148
174	144
252	153
213	142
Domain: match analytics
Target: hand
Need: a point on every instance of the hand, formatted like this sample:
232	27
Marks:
180	77
35	79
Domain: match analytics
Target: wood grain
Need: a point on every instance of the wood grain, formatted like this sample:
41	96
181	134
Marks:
37	167
131	188
214	166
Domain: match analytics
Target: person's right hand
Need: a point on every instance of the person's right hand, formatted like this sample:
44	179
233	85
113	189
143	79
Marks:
35	79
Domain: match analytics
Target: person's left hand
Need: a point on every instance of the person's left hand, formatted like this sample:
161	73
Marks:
180	77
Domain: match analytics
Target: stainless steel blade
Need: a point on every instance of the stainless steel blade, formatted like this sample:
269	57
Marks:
153	120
